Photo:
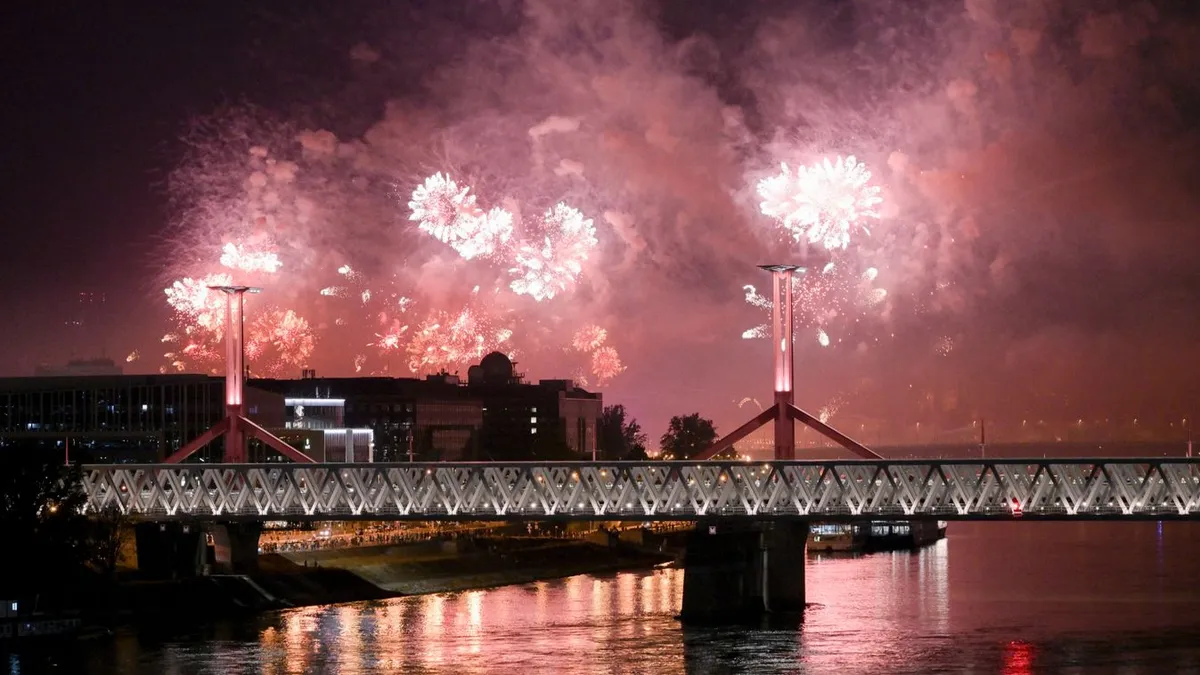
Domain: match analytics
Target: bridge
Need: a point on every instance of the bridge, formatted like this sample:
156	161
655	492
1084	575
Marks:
1043	489
746	559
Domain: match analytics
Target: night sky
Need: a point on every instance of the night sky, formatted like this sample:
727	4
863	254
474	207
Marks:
1037	161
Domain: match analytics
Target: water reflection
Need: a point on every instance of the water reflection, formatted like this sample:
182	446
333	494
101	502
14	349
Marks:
1013	598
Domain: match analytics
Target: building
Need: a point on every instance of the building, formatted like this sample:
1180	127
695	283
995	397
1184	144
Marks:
80	368
121	418
317	427
495	415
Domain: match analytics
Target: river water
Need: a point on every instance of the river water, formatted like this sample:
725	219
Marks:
991	598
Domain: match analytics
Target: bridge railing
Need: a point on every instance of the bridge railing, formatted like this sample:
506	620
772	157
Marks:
646	491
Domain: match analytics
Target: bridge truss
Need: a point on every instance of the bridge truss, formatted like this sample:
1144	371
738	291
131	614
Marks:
1157	489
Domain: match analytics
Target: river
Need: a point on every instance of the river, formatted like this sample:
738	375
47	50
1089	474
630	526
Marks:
991	598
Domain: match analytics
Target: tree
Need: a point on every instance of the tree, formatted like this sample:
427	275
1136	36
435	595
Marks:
550	448
47	539
109	533
688	435
619	438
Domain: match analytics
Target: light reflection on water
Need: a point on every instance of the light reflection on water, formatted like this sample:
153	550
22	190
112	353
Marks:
1010	598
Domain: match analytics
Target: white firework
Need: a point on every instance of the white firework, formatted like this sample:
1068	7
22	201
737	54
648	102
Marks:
821	203
483	235
552	265
199	305
443	209
449	212
248	258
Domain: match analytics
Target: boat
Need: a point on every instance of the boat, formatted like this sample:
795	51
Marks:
835	538
39	627
877	535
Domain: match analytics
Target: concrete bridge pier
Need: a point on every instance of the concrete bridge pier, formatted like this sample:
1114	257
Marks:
235	546
169	550
734	573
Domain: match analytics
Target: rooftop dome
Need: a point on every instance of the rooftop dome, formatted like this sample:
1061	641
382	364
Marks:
497	368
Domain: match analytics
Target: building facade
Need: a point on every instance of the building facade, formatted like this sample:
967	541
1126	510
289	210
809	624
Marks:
121	418
495	415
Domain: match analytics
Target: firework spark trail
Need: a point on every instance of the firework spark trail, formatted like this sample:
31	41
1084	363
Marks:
821	298
821	203
552	266
589	338
830	409
746	400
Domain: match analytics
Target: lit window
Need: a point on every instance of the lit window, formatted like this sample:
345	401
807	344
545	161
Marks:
533	420
533	409
533	430
145	407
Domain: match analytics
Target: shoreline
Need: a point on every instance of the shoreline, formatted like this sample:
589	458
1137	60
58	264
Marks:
305	579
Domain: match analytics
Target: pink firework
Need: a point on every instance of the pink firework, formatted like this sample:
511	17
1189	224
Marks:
287	332
552	265
606	364
821	203
589	338
446	341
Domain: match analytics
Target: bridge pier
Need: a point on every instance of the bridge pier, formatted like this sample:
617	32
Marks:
169	550
235	546
734	573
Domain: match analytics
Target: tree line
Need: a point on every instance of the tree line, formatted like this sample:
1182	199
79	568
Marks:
53	555
620	437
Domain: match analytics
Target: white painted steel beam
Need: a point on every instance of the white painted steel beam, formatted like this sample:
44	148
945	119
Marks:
1158	489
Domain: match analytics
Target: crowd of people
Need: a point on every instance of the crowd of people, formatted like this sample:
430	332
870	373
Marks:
331	536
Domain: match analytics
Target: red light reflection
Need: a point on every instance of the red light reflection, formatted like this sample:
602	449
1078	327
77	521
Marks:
1018	658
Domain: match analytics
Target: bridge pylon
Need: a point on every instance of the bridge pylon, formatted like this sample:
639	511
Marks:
784	413
236	428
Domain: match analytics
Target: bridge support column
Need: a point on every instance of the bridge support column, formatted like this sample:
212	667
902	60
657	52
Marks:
235	547
169	550
737	573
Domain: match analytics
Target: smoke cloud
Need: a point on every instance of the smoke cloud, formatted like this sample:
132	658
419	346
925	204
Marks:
1035	158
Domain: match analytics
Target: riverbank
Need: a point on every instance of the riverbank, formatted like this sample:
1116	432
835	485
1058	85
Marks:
298	579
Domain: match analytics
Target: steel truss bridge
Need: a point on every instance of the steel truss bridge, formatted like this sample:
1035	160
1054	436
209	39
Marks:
1075	489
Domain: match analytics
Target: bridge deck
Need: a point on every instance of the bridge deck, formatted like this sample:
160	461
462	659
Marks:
1067	489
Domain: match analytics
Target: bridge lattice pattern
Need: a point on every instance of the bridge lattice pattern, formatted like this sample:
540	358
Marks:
1075	489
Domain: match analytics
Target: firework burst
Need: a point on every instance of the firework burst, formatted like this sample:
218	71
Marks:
279	338
589	338
262	202
819	300
552	266
821	203
252	256
446	341
449	213
198	307
606	364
